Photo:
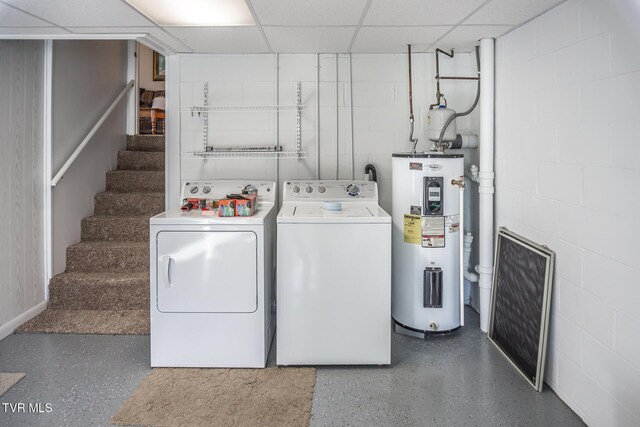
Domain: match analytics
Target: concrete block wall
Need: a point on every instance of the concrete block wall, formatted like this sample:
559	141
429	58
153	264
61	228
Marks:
567	174
380	111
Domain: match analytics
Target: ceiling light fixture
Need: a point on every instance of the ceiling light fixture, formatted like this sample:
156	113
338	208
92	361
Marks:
195	12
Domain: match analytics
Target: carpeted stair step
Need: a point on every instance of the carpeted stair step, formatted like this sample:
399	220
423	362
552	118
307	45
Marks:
99	291
113	203
145	142
113	228
106	322
141	160
125	181
108	256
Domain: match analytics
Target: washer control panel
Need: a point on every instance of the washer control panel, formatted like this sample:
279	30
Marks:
341	190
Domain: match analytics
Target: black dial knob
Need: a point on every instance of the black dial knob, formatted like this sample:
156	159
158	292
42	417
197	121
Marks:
194	190
353	190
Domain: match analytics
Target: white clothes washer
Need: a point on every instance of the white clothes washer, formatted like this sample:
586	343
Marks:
334	275
212	281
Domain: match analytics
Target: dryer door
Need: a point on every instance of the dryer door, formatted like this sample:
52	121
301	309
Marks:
207	272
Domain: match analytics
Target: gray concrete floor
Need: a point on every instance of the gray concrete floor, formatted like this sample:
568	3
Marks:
457	380
453	380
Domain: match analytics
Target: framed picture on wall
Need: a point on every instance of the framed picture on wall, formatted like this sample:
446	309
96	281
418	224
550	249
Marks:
158	66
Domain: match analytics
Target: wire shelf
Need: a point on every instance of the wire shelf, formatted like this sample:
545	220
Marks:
245	154
238	108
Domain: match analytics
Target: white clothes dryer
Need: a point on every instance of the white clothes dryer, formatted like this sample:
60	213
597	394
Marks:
212	281
334	275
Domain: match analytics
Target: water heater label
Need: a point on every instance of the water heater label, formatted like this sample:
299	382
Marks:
433	231
416	210
412	229
453	223
415	166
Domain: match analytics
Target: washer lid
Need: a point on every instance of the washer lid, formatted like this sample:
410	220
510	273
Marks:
315	213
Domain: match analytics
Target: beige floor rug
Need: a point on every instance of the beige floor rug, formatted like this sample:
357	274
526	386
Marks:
221	397
9	380
105	322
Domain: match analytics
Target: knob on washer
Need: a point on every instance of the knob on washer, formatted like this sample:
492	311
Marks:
353	190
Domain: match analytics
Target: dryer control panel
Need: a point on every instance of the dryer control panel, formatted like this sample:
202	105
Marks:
342	190
215	190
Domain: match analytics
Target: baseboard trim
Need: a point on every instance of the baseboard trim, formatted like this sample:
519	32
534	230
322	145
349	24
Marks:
8	328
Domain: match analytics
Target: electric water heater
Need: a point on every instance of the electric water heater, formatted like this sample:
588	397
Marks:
427	212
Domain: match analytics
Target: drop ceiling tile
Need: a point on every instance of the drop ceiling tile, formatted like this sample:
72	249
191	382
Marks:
395	39
464	37
309	39
221	39
171	41
89	13
420	12
10	17
24	31
510	12
308	12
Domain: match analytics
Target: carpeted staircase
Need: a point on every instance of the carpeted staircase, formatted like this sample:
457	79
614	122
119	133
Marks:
105	287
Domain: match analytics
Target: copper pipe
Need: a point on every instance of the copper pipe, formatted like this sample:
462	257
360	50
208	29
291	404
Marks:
439	95
410	84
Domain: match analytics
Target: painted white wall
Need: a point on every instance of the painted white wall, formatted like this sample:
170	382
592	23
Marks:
567	169
380	116
145	69
22	270
87	77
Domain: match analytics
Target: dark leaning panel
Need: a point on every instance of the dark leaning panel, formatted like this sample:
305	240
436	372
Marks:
521	303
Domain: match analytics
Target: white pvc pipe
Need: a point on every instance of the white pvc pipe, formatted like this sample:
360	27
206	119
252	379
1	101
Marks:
337	121
469	141
353	163
468	275
277	124
92	132
486	178
462	254
317	116
473	169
